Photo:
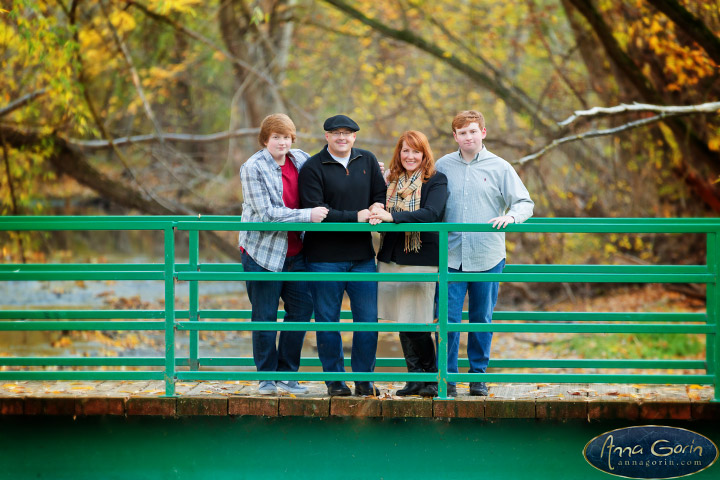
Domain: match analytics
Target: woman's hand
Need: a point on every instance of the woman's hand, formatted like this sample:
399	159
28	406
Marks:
318	214
379	216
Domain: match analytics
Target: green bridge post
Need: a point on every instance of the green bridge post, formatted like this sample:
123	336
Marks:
169	374
194	245
712	305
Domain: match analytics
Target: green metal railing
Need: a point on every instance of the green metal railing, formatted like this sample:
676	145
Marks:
195	320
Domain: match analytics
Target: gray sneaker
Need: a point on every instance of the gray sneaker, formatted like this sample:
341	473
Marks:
291	386
267	387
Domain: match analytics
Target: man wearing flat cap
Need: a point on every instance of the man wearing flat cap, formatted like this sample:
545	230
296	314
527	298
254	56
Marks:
347	181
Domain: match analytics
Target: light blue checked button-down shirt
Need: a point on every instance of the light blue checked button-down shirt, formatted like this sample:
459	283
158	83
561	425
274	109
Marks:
485	188
262	186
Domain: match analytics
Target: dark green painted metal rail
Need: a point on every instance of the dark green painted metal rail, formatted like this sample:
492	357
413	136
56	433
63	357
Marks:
172	368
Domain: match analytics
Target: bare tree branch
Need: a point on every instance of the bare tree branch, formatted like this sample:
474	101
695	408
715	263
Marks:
611	131
21	102
170	137
709	107
192	138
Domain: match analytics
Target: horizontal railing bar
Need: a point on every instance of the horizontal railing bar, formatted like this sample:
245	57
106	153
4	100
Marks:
306	326
367	277
82	267
629	226
589	225
595	363
622	220
80	275
309	276
380	362
310	376
63	224
458	277
511	268
597	316
453	377
82	375
494	363
505	315
346	314
453	327
583	277
578	328
565	268
92	219
40	325
81	314
237	268
579	378
36	325
84	361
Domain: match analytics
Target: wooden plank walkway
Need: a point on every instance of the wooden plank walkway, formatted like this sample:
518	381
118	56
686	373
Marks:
541	401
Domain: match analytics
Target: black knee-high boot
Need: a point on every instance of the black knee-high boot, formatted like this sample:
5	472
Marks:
413	366
424	345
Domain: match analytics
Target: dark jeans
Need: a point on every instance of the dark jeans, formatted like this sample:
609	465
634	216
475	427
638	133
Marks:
483	297
265	297
327	298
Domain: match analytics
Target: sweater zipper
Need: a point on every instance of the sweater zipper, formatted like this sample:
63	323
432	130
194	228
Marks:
347	171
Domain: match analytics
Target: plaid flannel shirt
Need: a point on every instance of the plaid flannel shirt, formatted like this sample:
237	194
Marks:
485	188
262	187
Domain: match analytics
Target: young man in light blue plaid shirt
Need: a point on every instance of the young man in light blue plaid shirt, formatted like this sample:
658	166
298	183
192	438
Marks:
483	188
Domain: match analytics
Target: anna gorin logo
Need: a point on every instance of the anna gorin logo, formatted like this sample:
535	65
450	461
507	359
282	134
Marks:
651	451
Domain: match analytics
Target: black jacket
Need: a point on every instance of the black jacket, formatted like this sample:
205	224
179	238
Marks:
433	196
324	182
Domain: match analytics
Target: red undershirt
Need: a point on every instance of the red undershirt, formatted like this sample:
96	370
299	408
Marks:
291	199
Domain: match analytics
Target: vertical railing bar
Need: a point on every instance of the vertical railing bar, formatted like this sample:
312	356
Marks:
169	375
712	308
442	354
194	306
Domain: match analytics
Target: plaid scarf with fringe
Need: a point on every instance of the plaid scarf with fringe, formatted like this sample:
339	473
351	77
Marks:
403	195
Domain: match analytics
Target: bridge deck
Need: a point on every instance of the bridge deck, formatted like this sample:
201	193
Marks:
541	401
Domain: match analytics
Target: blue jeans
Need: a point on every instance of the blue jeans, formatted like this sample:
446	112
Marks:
265	297
327	298
483	297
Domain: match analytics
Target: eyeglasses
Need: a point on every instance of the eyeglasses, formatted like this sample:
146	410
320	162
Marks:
337	134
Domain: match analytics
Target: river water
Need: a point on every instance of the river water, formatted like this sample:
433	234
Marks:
146	295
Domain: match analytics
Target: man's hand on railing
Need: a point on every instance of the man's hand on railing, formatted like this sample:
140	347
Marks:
318	214
502	222
363	215
376	206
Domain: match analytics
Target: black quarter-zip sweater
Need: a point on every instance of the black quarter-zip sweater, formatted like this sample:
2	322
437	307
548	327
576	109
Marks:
324	182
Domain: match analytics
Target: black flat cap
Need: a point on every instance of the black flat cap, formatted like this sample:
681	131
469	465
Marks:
340	121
